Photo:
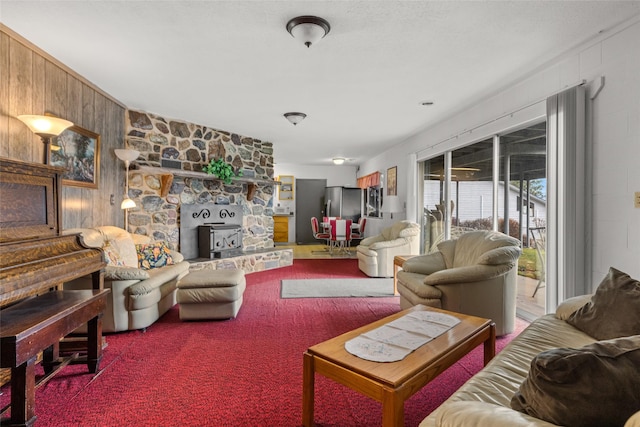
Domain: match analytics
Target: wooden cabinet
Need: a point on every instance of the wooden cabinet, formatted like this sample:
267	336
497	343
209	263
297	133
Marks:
285	191
280	229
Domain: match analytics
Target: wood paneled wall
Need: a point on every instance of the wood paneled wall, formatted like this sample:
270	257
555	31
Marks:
33	82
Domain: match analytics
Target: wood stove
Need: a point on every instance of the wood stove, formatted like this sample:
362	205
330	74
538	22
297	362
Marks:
219	240
228	219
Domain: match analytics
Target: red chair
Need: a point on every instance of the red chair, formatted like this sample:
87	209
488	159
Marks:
340	233
358	232
325	225
316	231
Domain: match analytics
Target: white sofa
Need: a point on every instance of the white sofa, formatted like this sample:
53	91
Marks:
376	253
485	400
138	297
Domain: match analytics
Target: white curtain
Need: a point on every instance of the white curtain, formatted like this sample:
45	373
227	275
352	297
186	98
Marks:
566	197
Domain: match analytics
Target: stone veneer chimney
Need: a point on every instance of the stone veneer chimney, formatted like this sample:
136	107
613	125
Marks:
191	146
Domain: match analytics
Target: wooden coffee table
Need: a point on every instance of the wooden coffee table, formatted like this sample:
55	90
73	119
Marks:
393	383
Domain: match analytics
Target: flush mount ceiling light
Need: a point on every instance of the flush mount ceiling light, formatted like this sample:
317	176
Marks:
338	160
308	29
294	117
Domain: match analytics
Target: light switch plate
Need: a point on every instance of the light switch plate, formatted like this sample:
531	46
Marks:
637	199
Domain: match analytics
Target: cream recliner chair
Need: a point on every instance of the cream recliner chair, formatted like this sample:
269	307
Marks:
375	254
475	274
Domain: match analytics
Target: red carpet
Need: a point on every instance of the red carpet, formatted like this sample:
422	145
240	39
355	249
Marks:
241	372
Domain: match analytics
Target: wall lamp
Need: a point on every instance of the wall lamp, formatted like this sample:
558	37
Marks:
46	127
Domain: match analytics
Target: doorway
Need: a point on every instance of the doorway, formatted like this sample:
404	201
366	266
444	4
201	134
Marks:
309	202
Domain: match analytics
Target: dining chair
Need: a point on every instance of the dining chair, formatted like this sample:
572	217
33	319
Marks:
326	223
340	233
357	233
315	228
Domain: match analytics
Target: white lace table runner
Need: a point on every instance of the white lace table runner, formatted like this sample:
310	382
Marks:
395	340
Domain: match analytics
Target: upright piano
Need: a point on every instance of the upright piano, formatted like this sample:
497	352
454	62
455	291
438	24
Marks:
35	259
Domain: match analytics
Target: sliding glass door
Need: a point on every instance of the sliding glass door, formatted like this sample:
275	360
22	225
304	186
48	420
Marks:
462	192
535	180
522	210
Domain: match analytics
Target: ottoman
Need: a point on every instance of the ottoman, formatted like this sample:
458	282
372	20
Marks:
211	294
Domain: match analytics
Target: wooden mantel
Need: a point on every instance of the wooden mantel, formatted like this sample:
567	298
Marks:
167	174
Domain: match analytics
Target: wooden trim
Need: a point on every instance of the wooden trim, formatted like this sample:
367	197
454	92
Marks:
17	37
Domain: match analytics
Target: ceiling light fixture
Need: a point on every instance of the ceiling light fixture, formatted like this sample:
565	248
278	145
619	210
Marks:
294	117
308	29
338	160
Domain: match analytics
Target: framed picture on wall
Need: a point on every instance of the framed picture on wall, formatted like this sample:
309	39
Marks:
392	183
78	151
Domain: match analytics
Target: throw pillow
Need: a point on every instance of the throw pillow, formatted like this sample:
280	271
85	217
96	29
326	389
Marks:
613	309
153	255
596	385
111	254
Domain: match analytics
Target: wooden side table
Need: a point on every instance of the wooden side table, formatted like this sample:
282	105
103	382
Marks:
398	260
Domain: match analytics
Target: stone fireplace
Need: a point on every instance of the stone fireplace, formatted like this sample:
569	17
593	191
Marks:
164	194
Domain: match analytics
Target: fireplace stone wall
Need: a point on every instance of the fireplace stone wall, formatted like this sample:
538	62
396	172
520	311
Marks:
192	146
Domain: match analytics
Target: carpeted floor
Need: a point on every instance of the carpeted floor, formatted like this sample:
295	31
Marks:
241	372
335	288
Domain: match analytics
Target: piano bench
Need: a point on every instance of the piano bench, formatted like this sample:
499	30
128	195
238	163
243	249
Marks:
38	324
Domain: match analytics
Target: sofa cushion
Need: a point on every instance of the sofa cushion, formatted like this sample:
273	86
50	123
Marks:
425	264
399	229
484	414
613	309
569	306
415	283
497	256
595	385
158	277
448	251
153	255
471	247
125	273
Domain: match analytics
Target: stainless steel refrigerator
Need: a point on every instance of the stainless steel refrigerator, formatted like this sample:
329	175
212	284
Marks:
344	202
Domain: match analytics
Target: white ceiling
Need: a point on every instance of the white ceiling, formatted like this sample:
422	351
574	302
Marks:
232	65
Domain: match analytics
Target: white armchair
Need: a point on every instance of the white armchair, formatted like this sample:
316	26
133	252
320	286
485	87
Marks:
475	274
375	254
